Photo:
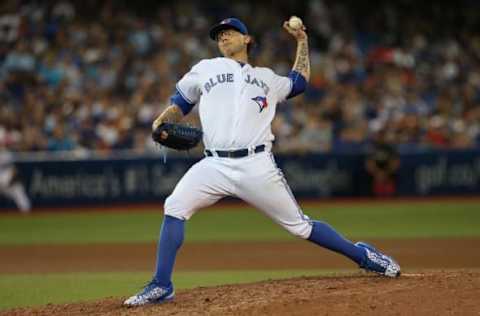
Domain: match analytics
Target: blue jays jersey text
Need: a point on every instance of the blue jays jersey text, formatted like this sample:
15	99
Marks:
229	77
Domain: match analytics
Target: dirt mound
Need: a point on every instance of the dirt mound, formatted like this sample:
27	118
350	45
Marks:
425	293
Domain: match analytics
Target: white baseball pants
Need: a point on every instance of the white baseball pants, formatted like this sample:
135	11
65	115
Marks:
255	179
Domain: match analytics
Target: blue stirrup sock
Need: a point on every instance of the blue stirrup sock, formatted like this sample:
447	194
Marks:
324	235
171	238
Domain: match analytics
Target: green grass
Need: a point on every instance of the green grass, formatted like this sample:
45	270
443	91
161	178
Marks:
387	220
390	220
36	289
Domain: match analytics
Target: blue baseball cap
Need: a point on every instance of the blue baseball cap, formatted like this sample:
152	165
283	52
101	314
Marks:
230	23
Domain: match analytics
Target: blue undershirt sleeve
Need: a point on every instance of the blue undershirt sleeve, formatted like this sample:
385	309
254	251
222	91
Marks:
181	102
299	84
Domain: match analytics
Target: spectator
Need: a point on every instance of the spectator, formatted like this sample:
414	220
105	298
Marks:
382	164
102	71
59	141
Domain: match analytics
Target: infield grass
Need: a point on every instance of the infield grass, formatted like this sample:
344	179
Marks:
36	289
389	220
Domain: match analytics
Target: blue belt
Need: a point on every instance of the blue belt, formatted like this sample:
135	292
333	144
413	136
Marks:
239	153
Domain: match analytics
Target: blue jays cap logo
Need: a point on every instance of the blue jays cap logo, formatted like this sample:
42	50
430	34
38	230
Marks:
261	101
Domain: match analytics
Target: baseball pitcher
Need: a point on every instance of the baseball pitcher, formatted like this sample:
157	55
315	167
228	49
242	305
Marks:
237	103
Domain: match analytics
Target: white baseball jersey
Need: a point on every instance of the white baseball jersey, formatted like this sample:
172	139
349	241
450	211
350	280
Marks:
236	102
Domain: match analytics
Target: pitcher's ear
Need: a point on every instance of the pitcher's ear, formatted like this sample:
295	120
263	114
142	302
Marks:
250	43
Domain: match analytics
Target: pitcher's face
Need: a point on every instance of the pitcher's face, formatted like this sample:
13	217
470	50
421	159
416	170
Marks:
230	42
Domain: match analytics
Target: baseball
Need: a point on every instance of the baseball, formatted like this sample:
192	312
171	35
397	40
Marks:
295	22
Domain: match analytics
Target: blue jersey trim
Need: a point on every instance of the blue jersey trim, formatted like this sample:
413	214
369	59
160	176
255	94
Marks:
299	84
179	100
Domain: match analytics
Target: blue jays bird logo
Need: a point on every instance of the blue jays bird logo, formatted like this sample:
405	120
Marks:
261	101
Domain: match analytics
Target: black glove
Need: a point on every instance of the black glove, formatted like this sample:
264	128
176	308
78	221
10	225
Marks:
180	137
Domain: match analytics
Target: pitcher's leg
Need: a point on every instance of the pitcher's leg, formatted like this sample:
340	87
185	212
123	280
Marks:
279	204
326	236
203	185
171	239
268	191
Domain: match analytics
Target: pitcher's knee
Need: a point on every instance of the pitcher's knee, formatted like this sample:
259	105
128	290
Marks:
177	208
300	230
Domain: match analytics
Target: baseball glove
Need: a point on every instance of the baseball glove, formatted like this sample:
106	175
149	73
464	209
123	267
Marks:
180	137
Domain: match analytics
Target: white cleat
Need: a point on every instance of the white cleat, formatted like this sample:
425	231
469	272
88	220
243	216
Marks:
151	294
377	262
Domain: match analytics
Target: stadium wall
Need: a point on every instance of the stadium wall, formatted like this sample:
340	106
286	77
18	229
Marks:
54	181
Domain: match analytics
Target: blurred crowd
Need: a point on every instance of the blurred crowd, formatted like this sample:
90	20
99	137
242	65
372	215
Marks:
92	75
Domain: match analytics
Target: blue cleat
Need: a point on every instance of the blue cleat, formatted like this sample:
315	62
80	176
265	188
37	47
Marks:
151	294
377	262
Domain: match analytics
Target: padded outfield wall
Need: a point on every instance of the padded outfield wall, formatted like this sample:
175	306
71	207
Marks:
59	181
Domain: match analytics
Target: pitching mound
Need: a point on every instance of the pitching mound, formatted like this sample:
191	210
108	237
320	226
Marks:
426	293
